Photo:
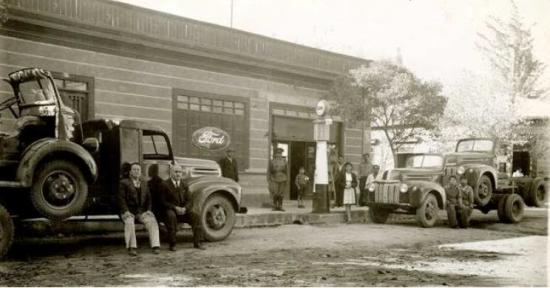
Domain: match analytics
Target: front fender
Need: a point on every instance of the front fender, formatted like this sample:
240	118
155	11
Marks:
473	174
202	187
423	188
50	148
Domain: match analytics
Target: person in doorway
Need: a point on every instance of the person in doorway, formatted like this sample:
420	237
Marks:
228	165
277	179
302	183
466	203
347	182
518	173
175	203
135	203
364	172
338	189
452	194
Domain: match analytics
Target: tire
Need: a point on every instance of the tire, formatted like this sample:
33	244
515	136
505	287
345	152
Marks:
217	218
537	194
514	208
427	213
378	215
484	191
59	190
6	231
500	209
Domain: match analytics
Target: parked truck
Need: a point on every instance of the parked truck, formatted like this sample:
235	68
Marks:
53	165
418	188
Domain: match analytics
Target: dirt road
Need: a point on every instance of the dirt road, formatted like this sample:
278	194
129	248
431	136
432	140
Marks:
398	254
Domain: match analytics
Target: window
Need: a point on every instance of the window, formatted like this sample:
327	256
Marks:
155	146
210	105
76	92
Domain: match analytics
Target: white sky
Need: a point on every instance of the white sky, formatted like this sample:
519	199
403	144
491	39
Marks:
436	37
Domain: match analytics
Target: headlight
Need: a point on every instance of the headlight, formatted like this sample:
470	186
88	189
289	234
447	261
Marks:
371	187
470	170
404	188
460	170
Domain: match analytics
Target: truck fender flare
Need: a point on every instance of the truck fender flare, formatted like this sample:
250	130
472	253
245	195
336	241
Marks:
201	194
47	148
439	193
491	172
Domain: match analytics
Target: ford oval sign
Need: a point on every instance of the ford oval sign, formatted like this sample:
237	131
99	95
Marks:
211	138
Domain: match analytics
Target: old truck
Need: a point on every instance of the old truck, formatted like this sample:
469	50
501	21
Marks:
54	166
418	189
412	189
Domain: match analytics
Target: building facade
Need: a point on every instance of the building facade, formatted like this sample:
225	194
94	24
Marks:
113	60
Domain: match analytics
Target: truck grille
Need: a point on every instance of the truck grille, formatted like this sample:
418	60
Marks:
450	171
197	172
386	193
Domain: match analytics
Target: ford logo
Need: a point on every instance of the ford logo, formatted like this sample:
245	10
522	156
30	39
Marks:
211	138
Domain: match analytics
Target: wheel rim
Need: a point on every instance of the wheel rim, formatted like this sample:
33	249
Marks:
540	193
430	210
216	217
59	189
483	190
515	208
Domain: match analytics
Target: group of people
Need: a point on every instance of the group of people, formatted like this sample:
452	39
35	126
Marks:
460	202
146	201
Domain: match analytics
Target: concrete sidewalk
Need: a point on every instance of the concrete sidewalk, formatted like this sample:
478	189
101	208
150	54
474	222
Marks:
255	217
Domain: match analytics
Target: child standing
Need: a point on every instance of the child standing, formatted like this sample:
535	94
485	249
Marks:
302	182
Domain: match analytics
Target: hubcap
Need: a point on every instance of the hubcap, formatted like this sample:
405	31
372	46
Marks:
516	208
483	190
59	189
216	217
430	209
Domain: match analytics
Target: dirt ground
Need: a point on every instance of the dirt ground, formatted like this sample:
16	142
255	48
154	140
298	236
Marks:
396	254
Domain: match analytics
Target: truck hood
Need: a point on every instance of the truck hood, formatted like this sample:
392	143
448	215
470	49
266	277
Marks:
415	174
459	158
194	167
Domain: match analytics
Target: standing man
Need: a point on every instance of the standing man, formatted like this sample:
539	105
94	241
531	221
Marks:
277	179
364	171
453	200
467	203
175	203
135	203
228	164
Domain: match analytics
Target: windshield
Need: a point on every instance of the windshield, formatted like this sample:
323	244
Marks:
36	92
475	146
424	161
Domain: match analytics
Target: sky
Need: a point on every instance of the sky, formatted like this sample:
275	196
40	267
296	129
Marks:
435	38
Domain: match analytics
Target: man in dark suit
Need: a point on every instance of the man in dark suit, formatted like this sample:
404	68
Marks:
175	204
135	203
228	164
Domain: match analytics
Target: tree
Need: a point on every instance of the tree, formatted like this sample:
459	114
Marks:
393	98
508	45
3	12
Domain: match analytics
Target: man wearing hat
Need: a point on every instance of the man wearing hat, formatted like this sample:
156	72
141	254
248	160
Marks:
277	179
228	164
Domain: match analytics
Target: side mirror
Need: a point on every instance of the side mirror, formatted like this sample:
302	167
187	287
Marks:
91	144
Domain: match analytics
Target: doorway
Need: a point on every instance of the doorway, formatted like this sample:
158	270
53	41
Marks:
302	154
521	160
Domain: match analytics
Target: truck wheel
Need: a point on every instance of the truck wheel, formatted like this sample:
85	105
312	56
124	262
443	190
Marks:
6	231
500	209
513	208
59	190
217	218
537	194
378	215
484	191
426	214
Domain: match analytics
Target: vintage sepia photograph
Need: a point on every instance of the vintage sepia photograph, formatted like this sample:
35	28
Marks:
274	143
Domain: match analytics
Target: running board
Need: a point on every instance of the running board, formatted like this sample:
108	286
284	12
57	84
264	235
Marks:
11	184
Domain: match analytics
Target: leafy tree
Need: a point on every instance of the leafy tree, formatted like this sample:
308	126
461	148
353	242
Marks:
508	45
3	12
390	97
